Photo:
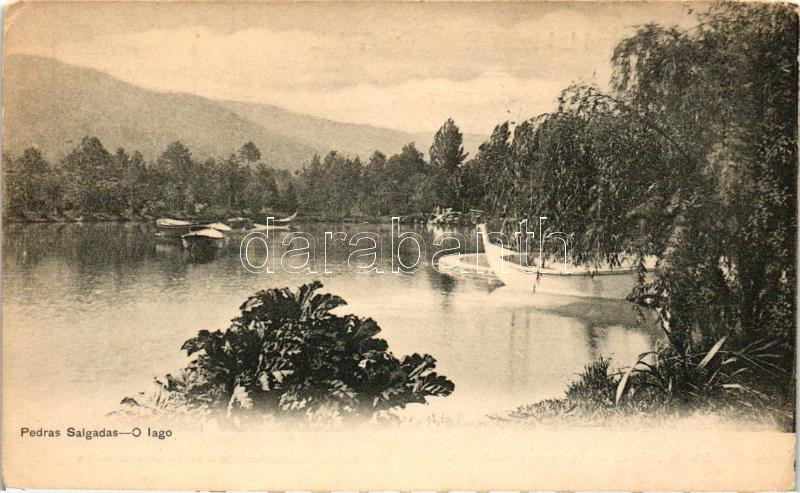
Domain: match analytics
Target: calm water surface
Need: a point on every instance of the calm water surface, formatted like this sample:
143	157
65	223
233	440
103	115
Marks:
96	310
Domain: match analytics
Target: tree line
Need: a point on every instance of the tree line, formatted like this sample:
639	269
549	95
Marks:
90	179
404	183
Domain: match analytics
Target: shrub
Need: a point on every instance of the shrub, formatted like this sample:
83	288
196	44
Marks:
287	354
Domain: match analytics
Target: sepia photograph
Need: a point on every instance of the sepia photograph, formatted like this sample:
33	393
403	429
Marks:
399	245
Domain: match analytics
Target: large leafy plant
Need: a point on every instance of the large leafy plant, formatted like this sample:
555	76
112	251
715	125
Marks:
287	354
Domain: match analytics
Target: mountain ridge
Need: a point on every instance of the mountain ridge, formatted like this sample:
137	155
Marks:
52	105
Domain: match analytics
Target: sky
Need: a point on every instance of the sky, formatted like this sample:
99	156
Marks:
407	66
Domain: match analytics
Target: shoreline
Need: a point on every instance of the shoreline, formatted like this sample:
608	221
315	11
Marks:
86	218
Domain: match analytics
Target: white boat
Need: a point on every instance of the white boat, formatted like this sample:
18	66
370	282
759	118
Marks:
207	238
264	227
287	219
174	228
605	282
218	226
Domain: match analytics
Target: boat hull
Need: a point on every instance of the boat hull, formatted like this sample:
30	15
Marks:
611	285
608	283
286	220
615	284
174	228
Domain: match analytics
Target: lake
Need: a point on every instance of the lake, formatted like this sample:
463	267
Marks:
106	307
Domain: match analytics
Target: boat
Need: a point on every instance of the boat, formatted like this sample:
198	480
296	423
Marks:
207	238
222	227
287	219
264	228
174	228
569	280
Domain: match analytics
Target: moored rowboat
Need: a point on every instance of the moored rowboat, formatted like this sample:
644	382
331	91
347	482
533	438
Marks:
264	228
203	238
174	228
604	282
222	227
286	219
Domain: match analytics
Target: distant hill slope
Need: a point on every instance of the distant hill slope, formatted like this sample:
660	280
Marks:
321	133
52	105
324	134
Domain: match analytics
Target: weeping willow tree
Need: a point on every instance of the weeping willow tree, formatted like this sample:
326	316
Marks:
725	94
691	156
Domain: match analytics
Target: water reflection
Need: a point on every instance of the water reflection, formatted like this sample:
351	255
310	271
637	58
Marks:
442	284
107	306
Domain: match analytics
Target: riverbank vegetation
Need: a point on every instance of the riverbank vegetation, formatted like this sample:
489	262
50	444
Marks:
286	355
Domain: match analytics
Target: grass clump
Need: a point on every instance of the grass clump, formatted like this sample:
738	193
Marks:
665	383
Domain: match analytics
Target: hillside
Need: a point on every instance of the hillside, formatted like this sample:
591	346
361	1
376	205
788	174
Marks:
53	105
324	134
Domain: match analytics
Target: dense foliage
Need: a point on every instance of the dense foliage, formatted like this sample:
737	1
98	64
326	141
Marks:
90	180
288	355
338	186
